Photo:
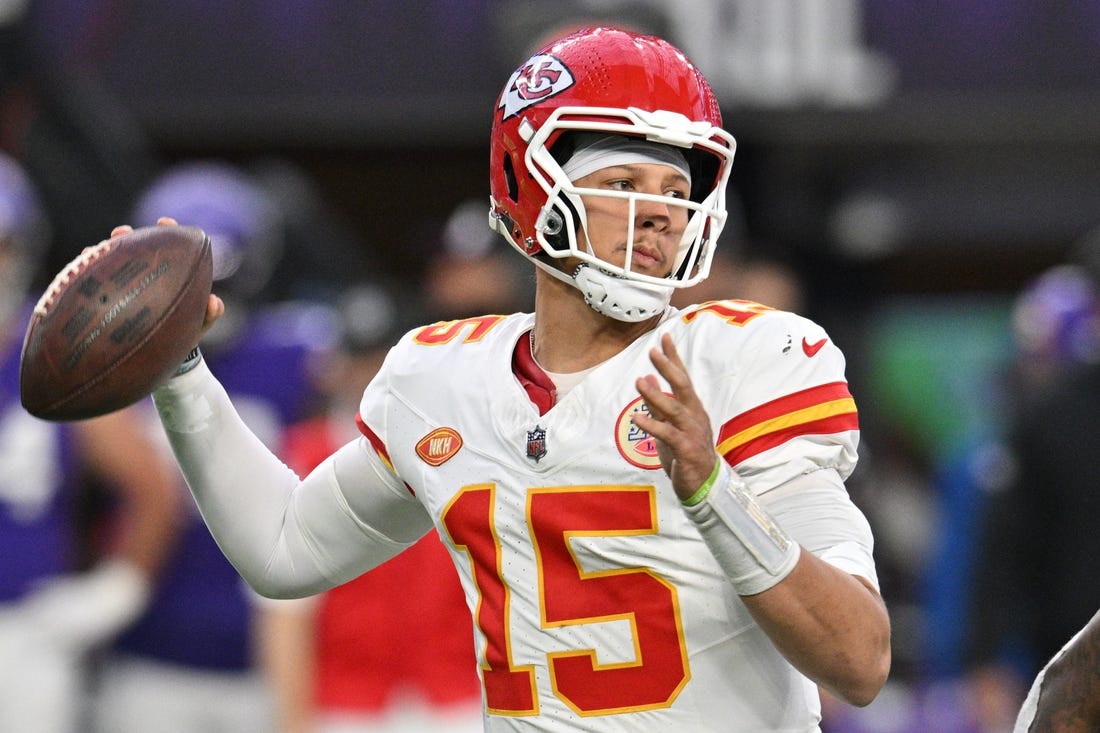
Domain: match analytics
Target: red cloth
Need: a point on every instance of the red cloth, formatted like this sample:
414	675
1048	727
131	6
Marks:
402	627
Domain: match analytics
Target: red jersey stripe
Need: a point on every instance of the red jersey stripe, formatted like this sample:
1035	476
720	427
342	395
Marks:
821	410
744	451
375	441
783	405
379	448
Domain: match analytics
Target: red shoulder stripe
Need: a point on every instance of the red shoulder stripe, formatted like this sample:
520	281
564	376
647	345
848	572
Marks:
821	410
375	441
379	447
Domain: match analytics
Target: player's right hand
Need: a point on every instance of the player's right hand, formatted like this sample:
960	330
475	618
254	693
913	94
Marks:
215	307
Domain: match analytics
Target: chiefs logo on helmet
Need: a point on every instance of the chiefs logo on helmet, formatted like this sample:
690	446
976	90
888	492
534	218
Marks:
540	78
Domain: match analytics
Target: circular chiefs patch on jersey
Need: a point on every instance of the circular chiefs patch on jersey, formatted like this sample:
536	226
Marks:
637	446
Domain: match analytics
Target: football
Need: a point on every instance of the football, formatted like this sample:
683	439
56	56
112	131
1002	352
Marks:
116	323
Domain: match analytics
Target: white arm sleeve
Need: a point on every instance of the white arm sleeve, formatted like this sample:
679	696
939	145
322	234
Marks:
817	512
286	537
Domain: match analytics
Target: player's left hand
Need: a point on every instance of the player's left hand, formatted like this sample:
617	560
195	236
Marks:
677	421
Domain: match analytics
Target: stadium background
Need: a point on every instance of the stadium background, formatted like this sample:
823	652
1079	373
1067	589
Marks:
916	164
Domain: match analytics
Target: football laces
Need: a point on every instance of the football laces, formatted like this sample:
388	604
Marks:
71	270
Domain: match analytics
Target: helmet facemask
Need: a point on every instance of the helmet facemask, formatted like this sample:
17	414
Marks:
606	81
618	291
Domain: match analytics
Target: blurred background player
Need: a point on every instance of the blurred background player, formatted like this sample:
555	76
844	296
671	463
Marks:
1034	583
764	280
351	670
194	660
742	268
66	586
469	274
321	254
1065	696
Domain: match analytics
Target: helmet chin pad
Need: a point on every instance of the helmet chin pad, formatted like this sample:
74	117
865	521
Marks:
615	297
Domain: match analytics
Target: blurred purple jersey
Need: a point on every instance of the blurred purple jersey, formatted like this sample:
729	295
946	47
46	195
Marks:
201	613
37	495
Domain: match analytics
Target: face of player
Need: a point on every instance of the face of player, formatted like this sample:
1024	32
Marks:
658	227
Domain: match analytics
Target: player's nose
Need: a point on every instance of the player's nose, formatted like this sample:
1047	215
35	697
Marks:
653	214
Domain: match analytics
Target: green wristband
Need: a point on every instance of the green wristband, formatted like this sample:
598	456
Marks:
702	491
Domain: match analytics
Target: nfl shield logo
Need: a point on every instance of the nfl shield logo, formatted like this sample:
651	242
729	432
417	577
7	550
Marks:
536	443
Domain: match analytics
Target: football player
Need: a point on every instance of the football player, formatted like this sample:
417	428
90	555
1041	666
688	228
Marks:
345	670
194	660
645	505
55	605
1065	696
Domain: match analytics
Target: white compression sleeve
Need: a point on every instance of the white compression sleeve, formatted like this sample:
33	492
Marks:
816	511
750	546
286	537
813	511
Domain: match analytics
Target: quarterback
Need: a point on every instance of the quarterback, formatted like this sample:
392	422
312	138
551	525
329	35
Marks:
645	505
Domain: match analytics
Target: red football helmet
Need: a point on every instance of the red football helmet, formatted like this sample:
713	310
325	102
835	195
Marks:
608	81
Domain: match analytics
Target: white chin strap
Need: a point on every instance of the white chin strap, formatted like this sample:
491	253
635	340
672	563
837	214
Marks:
618	298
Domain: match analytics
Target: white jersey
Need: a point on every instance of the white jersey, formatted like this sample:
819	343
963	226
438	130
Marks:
597	605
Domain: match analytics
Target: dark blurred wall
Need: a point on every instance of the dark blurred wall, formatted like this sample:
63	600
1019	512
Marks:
891	145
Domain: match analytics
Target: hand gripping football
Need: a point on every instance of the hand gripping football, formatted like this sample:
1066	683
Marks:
116	323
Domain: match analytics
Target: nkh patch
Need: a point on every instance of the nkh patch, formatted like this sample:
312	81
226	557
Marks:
540	78
536	444
439	446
